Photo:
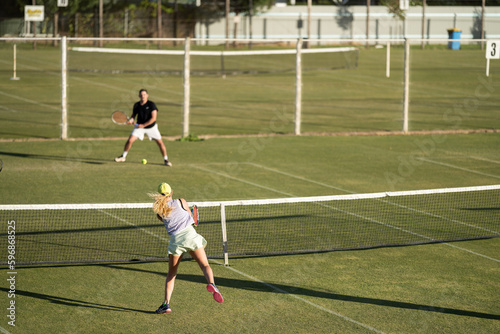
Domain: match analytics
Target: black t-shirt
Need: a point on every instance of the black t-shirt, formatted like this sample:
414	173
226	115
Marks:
143	112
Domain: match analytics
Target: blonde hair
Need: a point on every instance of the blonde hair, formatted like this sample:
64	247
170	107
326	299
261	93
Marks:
160	205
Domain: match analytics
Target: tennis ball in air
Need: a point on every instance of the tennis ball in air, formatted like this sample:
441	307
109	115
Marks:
144	161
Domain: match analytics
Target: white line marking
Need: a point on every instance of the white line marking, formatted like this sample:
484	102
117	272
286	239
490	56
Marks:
485	159
472	252
132	224
382	200
285	292
258	280
300	298
30	101
3	330
8	109
299	177
459	168
438	216
351	213
241	180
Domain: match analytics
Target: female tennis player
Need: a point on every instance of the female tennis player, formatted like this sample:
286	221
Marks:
176	216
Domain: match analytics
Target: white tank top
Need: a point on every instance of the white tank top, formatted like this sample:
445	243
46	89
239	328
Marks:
178	219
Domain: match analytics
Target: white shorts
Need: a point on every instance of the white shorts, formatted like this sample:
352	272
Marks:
153	133
185	241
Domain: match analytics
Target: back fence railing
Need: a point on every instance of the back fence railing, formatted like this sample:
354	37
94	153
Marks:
321	85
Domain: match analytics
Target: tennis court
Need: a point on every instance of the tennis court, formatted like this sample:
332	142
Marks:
448	286
389	289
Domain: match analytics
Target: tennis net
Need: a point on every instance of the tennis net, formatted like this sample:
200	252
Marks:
79	233
222	62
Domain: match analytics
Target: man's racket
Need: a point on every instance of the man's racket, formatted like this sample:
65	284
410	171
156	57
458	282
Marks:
196	215
119	117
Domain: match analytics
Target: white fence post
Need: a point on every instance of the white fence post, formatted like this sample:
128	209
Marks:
406	92
187	65
388	60
298	87
64	98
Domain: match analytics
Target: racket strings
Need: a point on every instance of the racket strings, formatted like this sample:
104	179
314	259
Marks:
119	117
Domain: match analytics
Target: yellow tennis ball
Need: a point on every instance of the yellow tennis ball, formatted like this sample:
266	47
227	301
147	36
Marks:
144	161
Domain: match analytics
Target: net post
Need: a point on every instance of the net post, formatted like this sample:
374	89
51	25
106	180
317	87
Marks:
406	91
64	79
298	86
186	79
224	234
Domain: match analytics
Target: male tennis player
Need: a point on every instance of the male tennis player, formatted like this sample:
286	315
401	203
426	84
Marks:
177	218
146	113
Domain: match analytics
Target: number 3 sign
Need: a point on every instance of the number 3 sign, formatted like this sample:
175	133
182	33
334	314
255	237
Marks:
493	50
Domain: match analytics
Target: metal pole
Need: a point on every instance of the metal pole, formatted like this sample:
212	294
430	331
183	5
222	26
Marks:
227	24
187	47
33	25
388	60
64	101
406	91
250	14
482	24
101	24
367	22
158	14
309	5
423	23
298	87
14	77
224	234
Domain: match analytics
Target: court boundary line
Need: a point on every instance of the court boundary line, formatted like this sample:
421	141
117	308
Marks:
3	330
484	159
255	279
291	134
356	215
369	219
262	282
458	167
134	225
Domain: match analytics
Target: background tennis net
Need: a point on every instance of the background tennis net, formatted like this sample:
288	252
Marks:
130	232
219	62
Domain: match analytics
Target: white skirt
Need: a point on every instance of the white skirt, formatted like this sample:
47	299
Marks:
185	241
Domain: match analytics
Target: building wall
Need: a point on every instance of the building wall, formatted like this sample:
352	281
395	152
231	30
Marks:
333	22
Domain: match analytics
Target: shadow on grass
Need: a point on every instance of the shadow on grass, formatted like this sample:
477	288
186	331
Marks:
251	285
76	158
57	157
74	302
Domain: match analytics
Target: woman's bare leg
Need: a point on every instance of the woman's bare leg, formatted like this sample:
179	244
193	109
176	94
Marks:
201	258
173	265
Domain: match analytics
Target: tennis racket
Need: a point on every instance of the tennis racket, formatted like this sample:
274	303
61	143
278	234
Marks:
196	215
119	117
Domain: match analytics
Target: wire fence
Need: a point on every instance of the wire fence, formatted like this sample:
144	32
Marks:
390	86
